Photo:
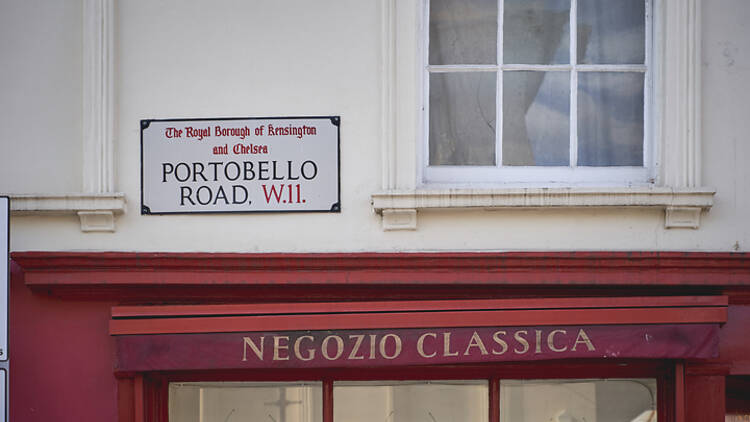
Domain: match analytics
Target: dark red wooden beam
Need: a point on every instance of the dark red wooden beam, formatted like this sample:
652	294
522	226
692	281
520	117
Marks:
222	276
286	318
413	306
613	268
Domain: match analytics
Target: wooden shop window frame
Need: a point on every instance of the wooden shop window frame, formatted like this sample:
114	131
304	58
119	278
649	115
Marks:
151	390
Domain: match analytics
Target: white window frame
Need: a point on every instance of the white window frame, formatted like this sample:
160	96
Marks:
538	176
676	131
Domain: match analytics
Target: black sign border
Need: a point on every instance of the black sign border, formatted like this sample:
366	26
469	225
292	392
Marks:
335	208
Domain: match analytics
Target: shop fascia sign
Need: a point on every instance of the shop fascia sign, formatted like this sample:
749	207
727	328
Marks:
399	347
231	165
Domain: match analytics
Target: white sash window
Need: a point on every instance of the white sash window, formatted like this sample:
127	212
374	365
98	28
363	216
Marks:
546	92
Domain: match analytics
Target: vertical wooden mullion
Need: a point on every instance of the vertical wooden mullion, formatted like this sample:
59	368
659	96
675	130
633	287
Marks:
164	398
665	395
679	392
327	400
139	412
125	398
494	401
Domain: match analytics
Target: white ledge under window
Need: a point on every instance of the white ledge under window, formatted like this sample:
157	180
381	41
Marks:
96	210
682	206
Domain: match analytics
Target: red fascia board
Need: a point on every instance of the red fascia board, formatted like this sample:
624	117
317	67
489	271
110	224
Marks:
447	319
422	277
61	269
414	306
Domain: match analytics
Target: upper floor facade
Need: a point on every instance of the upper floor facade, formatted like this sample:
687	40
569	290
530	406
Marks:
494	128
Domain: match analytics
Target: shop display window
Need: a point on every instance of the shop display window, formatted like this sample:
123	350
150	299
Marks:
579	400
555	400
429	401
245	401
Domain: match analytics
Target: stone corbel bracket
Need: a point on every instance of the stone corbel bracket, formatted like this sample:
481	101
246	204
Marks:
96	211
683	207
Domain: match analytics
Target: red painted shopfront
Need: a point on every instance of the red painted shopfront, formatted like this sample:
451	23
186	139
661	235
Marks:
144	336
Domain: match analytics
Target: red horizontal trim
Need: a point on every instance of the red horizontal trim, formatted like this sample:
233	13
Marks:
404	260
237	277
427	305
446	319
68	268
578	368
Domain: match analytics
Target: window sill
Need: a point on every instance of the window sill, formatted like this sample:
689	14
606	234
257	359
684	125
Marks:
96	211
682	206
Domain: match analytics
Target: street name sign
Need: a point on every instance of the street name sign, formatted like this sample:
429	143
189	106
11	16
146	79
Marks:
227	165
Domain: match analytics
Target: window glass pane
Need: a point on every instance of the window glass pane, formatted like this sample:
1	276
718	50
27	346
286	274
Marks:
236	401
614	400
610	119
536	118
611	31
463	32
435	401
462	118
536	31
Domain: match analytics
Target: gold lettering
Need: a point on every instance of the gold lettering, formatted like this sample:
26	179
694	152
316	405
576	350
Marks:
278	346
447	345
501	342
475	341
584	338
339	347
353	354
372	346
249	342
397	352
522	340
551	341
310	352
538	345
420	345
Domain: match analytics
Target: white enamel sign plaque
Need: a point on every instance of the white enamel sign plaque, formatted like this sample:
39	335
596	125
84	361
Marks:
277	164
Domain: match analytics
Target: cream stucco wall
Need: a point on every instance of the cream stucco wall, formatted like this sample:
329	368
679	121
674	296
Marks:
294	57
40	96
